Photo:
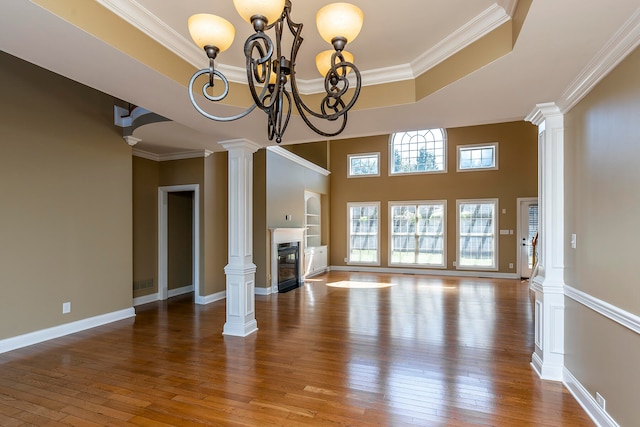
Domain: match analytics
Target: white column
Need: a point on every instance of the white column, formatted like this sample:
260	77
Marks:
240	271
548	285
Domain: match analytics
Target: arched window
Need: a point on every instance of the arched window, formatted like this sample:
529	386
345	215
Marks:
418	151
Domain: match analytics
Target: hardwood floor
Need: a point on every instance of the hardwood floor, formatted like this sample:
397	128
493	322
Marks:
409	351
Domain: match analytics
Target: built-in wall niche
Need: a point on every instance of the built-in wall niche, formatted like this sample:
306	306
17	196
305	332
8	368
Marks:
315	253
312	219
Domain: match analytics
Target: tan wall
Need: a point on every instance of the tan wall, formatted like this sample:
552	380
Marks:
216	189
602	207
180	239
516	177
283	183
211	174
146	179
65	186
260	227
315	152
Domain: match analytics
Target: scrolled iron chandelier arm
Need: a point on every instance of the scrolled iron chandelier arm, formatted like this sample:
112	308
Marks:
336	85
269	70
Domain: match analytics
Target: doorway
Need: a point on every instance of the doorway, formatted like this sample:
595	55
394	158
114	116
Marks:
527	229
163	239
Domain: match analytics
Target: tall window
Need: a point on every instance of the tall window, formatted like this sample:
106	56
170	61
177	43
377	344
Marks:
418	233
363	233
477	234
418	151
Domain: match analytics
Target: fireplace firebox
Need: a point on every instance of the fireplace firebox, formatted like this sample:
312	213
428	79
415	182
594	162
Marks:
288	266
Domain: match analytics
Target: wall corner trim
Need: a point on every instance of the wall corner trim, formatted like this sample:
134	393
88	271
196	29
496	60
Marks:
587	401
297	159
42	335
618	315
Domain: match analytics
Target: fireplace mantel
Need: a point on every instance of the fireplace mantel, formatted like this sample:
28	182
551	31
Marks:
285	235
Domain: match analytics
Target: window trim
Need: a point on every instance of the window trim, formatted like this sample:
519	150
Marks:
390	206
496	156
359	204
445	154
496	234
350	156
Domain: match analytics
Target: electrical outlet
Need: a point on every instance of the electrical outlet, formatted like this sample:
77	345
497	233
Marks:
574	241
455	263
66	307
600	401
511	265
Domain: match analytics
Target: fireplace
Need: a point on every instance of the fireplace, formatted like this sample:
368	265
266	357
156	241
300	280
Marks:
286	259
288	266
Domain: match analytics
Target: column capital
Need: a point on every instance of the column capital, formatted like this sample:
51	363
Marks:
242	143
131	140
542	112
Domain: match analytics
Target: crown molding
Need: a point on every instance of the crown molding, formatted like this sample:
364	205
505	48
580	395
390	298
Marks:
509	6
624	41
297	159
487	21
490	19
170	156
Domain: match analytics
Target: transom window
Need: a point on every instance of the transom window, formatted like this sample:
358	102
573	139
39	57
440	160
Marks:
418	151
367	164
364	239
478	156
418	233
477	230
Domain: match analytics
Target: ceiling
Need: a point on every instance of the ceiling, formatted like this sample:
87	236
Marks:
425	63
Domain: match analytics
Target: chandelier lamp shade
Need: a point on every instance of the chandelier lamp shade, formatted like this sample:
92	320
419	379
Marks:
271	76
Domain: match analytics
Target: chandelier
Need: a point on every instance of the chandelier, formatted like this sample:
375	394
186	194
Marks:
270	75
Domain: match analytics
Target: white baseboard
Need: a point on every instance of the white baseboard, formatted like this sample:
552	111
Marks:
401	270
146	299
42	335
208	299
587	401
263	291
180	291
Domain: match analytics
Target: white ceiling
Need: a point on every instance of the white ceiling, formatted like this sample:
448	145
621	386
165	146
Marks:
558	42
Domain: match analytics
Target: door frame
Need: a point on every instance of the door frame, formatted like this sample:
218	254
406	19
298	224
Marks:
163	237
520	202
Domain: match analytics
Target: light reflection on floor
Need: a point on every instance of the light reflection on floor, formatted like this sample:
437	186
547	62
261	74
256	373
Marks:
348	284
439	319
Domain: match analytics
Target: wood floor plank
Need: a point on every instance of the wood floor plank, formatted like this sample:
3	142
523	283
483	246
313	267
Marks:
424	351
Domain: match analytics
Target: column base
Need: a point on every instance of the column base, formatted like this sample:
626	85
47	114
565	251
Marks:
240	330
546	371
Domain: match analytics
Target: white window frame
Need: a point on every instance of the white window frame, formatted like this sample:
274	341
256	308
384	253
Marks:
350	233
496	235
362	155
461	148
416	203
444	154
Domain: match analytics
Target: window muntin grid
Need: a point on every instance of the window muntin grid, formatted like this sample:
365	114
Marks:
363	233
418	234
479	156
477	229
418	151
364	165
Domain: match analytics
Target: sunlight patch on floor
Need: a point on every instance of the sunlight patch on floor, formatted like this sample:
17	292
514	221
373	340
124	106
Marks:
359	285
